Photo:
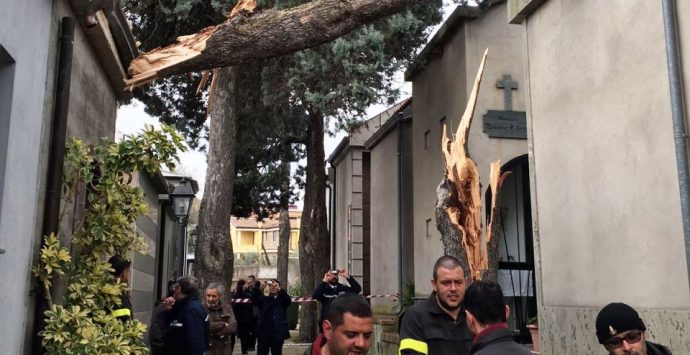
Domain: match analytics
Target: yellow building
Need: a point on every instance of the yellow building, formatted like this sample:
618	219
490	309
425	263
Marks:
249	235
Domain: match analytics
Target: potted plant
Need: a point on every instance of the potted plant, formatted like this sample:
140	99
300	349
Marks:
533	326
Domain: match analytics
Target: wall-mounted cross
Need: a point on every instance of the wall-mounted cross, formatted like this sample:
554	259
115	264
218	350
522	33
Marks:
508	85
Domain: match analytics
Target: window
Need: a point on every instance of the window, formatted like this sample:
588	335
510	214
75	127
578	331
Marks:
427	144
428	228
275	236
246	238
6	86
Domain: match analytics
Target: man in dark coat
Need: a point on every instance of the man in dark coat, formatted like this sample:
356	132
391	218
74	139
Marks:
486	314
121	269
272	327
221	321
622	332
244	316
330	288
159	327
436	326
188	328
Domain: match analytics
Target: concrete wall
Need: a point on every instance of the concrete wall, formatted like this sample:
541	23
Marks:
343	197
27	34
440	90
143	280
384	222
604	183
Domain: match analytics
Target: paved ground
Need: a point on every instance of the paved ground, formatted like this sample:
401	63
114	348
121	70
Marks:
289	348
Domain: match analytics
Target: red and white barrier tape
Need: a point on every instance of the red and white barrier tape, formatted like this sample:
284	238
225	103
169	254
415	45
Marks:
309	299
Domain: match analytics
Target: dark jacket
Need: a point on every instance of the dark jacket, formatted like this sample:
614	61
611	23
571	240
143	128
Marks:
497	341
427	329
272	324
657	349
243	311
325	293
188	328
123	312
157	330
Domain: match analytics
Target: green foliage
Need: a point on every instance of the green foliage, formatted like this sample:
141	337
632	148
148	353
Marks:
406	299
338	80
82	324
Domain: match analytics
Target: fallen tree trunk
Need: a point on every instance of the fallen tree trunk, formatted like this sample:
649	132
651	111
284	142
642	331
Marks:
266	34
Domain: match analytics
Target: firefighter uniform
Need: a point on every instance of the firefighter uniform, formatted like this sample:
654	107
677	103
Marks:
428	329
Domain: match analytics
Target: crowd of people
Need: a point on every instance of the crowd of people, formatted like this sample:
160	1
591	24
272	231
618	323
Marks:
454	319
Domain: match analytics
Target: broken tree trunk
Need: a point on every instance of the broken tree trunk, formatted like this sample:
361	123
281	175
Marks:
459	204
266	34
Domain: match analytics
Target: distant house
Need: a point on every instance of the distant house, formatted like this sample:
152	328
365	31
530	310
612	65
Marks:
255	245
252	236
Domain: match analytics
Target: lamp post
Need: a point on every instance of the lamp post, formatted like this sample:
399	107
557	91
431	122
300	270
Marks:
182	197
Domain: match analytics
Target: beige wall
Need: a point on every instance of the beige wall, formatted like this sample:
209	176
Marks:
384	222
604	184
440	90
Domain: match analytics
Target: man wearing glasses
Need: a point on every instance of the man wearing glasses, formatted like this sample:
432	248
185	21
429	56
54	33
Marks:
622	332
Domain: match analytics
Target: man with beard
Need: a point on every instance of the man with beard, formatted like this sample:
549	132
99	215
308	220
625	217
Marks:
221	321
622	332
436	326
347	328
330	288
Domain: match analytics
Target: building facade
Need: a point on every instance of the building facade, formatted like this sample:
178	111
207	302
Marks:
606	193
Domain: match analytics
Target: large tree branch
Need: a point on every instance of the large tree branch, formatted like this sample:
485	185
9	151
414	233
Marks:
266	34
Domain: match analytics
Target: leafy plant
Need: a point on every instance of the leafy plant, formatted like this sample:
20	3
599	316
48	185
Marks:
80	322
406	299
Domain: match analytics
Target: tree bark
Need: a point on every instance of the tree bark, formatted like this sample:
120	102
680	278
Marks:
314	242
283	246
266	34
214	252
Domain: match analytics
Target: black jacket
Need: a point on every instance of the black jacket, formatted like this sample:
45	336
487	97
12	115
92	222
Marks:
157	330
427	329
123	312
325	293
188	328
498	342
272	324
243	311
657	349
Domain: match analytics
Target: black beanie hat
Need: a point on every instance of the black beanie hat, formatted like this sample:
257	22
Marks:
119	264
616	318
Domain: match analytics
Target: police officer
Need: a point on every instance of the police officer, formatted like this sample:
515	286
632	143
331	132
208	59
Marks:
436	326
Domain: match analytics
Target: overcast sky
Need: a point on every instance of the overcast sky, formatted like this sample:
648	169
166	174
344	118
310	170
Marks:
132	118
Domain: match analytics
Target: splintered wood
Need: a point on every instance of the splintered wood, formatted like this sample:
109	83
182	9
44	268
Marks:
462	171
146	67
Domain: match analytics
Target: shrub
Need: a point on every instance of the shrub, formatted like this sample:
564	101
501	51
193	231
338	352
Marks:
78	322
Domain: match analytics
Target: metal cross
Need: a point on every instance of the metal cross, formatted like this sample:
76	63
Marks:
508	85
